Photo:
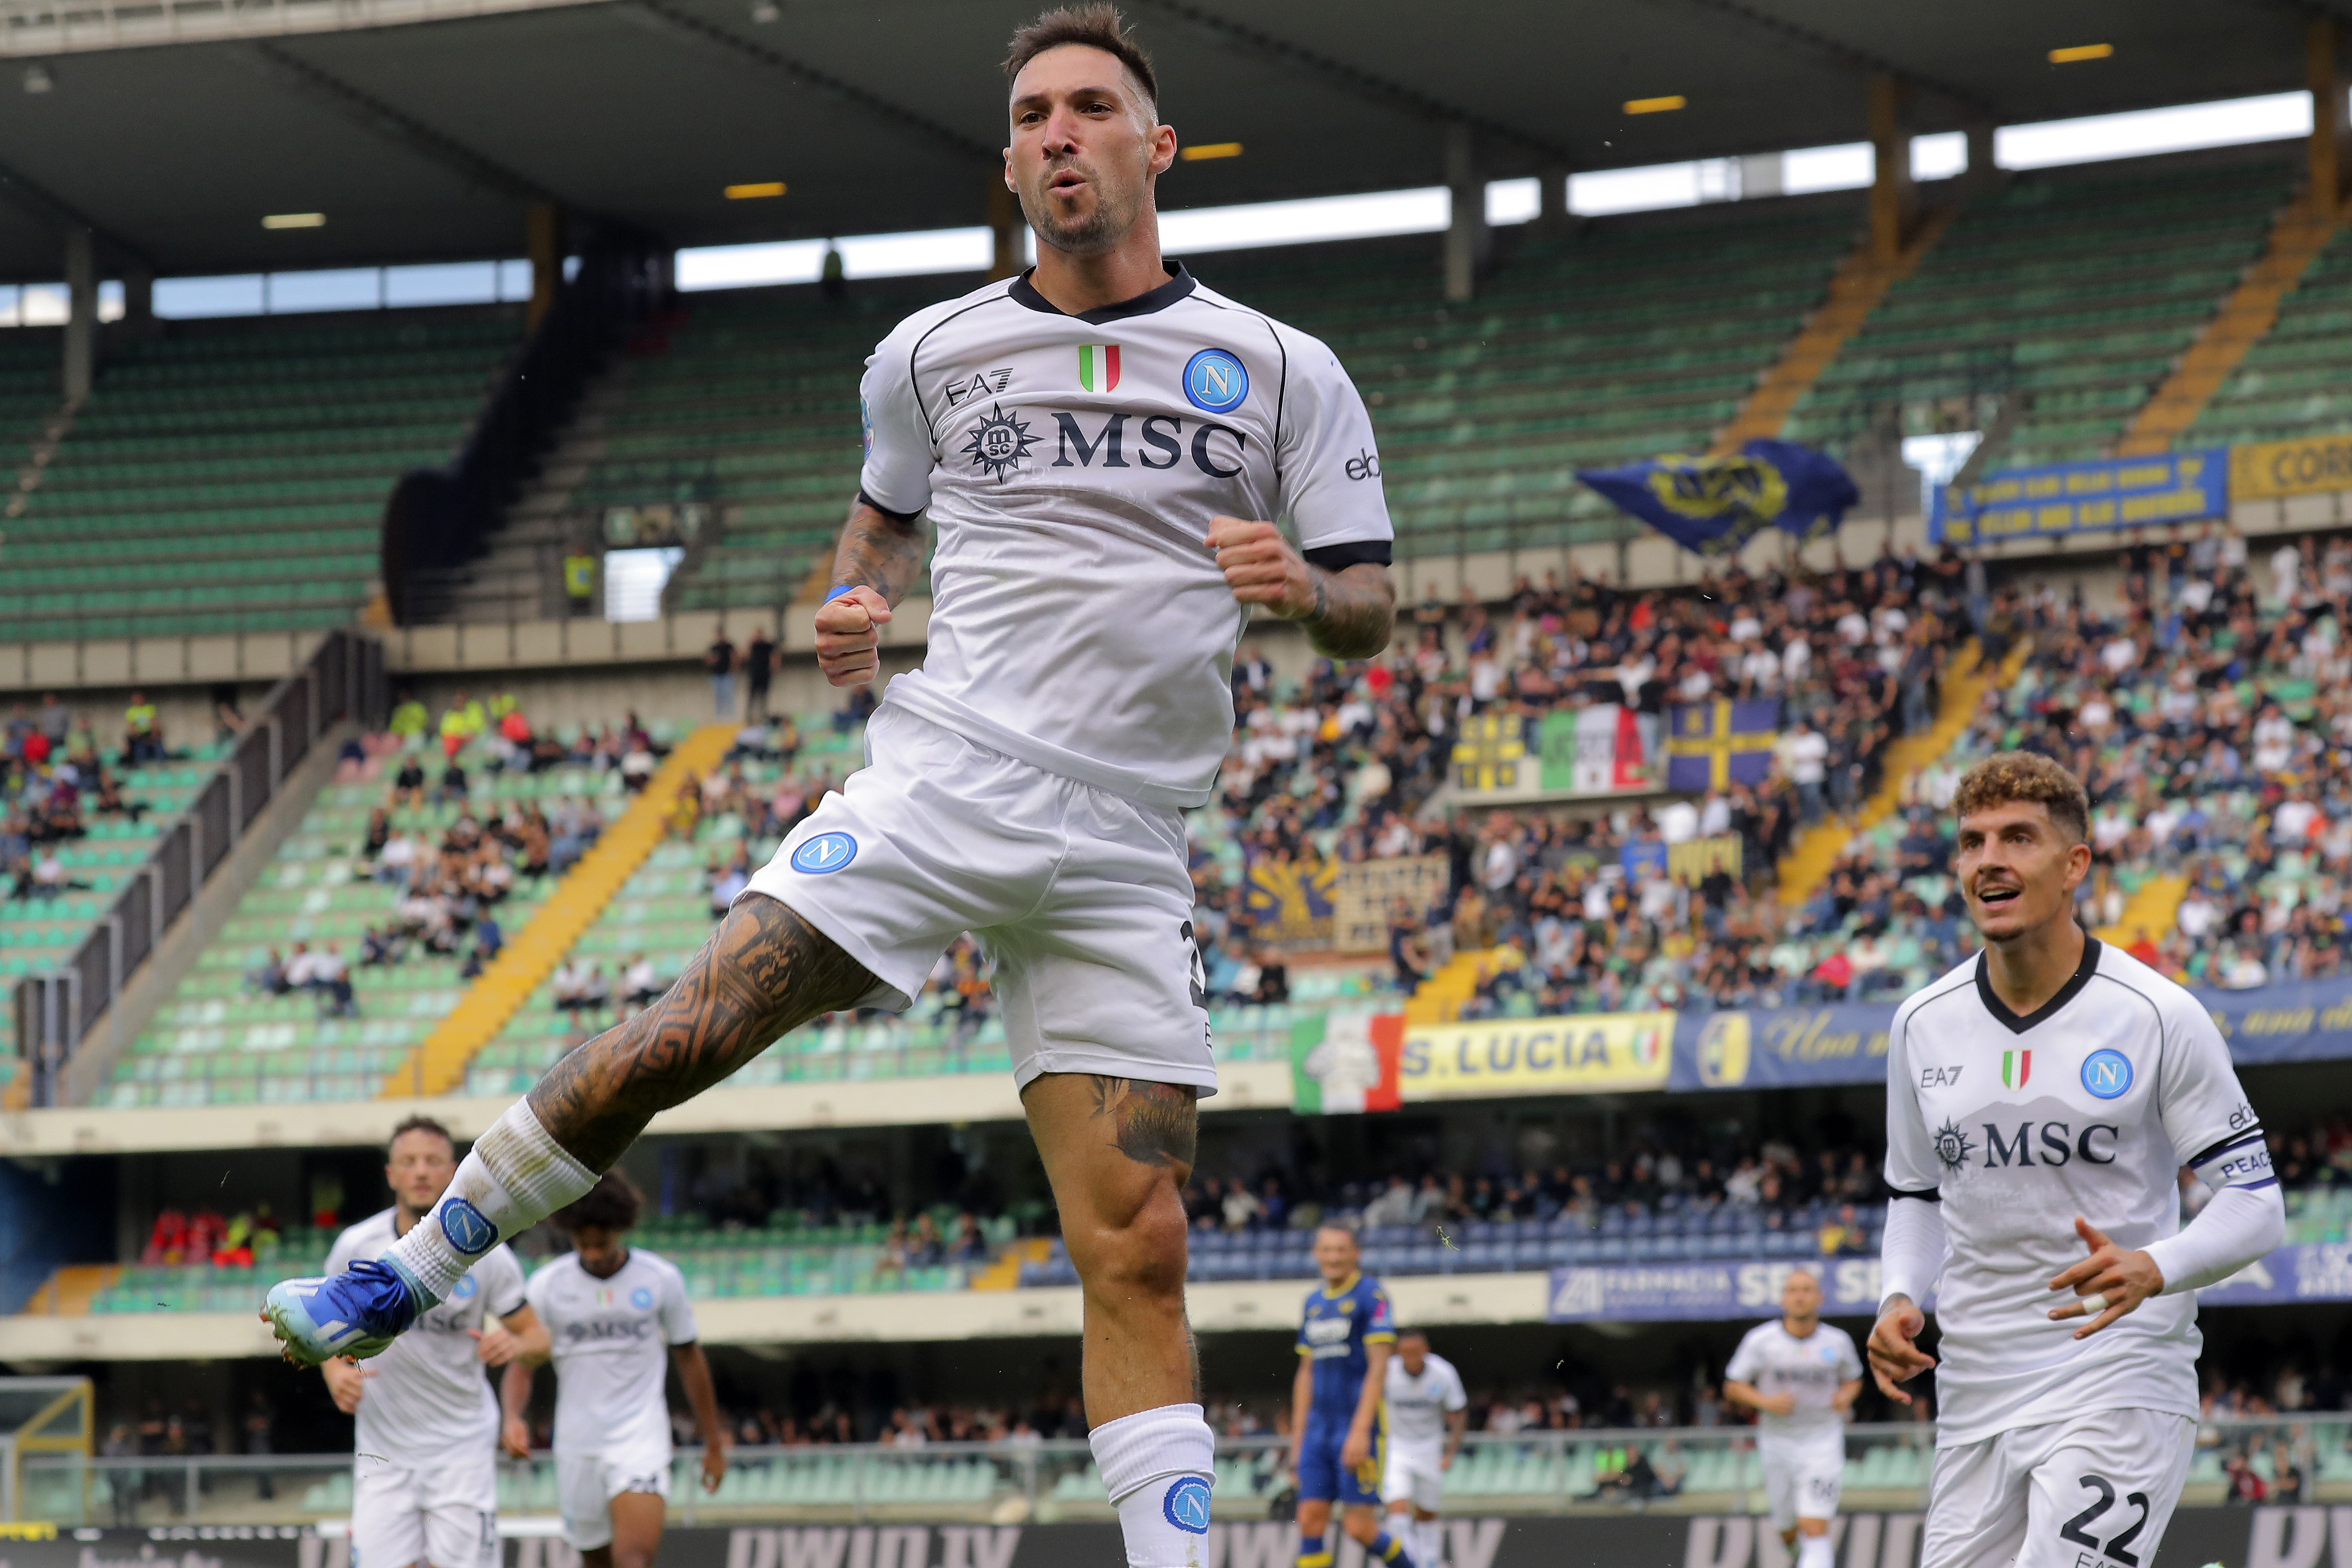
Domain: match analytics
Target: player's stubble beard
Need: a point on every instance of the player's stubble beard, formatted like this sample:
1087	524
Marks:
1101	230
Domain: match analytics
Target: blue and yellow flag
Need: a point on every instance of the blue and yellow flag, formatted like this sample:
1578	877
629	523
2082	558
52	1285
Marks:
1713	506
1712	745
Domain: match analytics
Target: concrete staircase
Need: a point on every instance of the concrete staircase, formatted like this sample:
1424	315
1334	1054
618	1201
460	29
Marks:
2301	232
438	1065
1440	998
2153	910
521	578
1816	850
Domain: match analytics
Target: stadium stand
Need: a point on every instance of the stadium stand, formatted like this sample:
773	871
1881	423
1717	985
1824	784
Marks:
230	475
2025	296
1605	350
2292	380
253	1022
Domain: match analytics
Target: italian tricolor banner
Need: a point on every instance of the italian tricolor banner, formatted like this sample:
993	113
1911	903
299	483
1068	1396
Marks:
2016	1066
1098	366
1345	1062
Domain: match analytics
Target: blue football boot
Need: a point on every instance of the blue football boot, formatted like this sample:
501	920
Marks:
355	1313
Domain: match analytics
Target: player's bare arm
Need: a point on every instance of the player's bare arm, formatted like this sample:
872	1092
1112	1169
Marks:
1346	614
514	1399
1358	1448
1458	1426
878	561
2111	1281
513	1337
1302	1405
693	1377
1894	1355
1842	1402
346	1383
764	972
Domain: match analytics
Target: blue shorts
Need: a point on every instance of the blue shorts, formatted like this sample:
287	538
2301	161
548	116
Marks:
1321	1477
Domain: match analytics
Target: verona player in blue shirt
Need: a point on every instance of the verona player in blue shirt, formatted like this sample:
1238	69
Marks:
1338	1424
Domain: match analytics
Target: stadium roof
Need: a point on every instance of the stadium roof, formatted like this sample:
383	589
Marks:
419	127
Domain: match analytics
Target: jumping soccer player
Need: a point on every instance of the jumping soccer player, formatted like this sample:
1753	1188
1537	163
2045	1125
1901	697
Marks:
1338	1426
611	1310
424	1483
1099	442
2040	1099
1800	1376
1428	1411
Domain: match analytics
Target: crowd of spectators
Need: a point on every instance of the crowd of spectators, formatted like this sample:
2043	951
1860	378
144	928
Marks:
55	782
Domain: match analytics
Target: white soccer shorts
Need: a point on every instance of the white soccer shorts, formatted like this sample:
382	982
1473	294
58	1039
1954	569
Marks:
1802	1475
1414	1476
1082	897
448	1516
2098	1486
586	1484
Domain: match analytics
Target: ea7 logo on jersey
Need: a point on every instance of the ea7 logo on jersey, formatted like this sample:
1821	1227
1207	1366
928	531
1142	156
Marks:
999	443
983	384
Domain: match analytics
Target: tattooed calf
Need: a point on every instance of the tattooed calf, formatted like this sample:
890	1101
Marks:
1152	1123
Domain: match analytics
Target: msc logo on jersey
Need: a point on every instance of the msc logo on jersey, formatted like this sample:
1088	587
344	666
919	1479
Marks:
1186	1505
466	1227
1952	1146
999	443
825	852
1215	382
2056	1142
641	1298
2108	1074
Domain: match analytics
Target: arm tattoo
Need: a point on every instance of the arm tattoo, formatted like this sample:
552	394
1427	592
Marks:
765	971
879	551
1151	1123
1354	610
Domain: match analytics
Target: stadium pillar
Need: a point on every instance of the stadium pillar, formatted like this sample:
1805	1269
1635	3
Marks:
2328	128
1552	197
1006	227
1981	170
543	236
81	312
137	293
1893	198
1467	235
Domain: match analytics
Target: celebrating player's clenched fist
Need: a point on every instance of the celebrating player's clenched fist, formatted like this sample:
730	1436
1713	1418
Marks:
849	636
1261	567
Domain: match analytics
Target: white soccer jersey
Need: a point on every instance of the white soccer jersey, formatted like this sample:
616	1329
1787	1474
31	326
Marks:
427	1397
1771	1359
2088	1106
611	1338
1418	1406
1071	465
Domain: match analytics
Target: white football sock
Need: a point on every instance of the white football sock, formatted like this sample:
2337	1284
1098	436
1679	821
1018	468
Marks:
1429	1544
1814	1551
1158	1466
515	1176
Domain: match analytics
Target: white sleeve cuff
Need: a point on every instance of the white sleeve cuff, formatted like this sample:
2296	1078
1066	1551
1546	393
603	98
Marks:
2239	1226
1911	1256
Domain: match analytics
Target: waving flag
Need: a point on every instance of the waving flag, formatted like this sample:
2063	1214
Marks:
1713	745
1714	505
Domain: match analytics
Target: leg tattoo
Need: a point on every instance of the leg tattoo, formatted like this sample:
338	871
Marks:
1151	1123
765	971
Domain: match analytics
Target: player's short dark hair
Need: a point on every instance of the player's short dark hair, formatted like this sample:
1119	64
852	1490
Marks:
1421	1334
1344	1225
1096	26
418	1124
611	1204
2031	778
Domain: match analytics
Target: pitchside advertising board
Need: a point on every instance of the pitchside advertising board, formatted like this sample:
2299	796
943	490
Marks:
2233	1538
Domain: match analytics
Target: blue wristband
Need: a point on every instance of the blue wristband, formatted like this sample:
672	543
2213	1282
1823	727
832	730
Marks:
837	592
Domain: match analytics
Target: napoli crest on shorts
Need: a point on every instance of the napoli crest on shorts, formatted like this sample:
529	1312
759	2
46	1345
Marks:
1187	1505
464	1289
466	1227
2107	1075
641	1297
1215	382
825	852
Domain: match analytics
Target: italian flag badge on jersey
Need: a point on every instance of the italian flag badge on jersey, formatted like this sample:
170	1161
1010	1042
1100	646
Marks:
1098	366
2016	1066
